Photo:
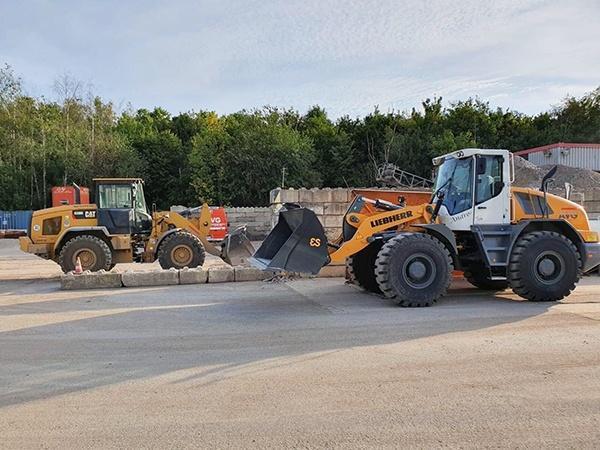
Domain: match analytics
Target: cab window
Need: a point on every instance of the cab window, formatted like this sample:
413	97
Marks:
488	179
139	201
115	196
51	227
455	177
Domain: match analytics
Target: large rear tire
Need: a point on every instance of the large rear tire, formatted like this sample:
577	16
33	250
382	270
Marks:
544	266
361	267
93	252
482	281
414	268
181	249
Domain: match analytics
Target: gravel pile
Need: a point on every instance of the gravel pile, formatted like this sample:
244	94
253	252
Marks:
530	175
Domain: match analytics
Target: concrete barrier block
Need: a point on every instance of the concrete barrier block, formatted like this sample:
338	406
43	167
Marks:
335	209
151	278
322	195
90	280
221	274
244	273
305	196
197	275
318	209
340	195
332	221
288	196
332	271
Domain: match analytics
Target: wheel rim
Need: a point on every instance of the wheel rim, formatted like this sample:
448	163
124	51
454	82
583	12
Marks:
419	271
86	256
182	255
549	267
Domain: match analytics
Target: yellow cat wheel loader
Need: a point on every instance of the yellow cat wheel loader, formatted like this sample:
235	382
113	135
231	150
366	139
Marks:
501	236
119	229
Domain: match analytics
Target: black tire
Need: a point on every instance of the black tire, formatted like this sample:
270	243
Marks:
423	255
181	249
361	267
481	280
93	252
544	266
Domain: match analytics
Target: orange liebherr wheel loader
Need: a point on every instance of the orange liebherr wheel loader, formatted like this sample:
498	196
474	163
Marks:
499	235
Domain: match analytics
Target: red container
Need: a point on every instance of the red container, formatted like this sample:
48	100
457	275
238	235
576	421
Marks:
67	195
218	223
412	198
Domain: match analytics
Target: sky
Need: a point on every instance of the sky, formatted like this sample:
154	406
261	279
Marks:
346	56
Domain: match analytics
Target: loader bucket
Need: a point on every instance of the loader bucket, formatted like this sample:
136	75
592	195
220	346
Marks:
236	248
296	244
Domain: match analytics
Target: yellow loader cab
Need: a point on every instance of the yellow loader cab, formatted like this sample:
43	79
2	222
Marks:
501	236
118	228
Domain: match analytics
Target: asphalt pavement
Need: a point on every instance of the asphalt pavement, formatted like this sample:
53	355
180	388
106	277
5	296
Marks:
312	363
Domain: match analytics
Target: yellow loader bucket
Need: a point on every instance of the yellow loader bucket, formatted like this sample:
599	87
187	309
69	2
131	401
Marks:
236	248
296	244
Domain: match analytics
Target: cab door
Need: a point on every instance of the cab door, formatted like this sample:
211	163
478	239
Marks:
491	194
115	207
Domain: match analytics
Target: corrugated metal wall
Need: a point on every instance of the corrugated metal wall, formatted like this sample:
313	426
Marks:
585	158
14	220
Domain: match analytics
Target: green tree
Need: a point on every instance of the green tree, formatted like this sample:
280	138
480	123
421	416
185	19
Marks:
335	158
238	159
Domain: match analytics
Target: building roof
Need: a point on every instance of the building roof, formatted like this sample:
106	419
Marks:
544	148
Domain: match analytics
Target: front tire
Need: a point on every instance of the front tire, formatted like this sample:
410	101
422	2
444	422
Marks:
361	267
544	266
181	249
93	252
414	268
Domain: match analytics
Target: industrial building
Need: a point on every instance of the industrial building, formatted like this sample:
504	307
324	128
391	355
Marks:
582	156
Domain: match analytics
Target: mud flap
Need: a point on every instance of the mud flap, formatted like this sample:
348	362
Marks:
236	248
296	244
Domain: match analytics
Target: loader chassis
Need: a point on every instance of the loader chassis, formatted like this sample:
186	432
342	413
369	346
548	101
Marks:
500	236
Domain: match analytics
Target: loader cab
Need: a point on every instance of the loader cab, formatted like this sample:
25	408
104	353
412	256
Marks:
121	206
475	186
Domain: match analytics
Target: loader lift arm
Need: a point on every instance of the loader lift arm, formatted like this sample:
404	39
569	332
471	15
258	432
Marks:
373	224
298	242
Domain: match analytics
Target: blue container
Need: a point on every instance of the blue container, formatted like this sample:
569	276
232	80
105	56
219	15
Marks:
14	220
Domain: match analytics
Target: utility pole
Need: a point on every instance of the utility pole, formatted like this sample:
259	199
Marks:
283	172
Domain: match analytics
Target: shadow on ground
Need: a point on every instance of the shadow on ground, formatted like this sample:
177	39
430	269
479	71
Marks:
75	341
